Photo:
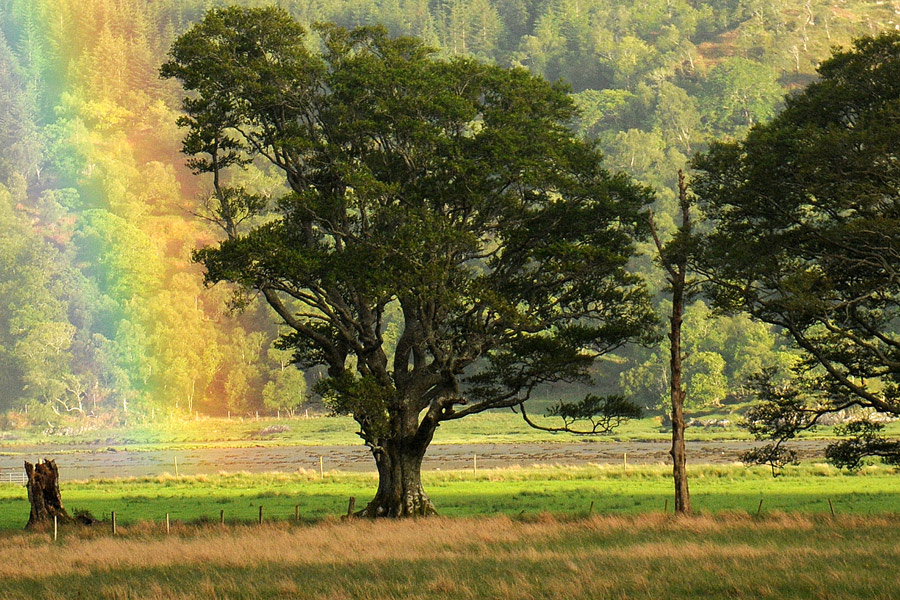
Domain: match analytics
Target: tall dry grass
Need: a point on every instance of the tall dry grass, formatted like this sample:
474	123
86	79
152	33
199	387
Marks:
648	556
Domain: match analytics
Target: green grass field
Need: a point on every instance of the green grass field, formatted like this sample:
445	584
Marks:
556	532
562	491
591	532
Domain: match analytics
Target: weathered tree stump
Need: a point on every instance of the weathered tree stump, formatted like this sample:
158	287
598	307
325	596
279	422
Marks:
43	495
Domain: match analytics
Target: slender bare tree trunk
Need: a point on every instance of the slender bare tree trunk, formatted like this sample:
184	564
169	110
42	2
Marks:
678	452
674	259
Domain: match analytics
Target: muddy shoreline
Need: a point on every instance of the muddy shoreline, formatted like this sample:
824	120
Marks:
89	462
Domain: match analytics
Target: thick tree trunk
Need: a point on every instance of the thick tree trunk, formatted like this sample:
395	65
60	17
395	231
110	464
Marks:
43	495
400	492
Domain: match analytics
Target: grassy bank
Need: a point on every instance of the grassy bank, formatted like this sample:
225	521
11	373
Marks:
649	556
490	427
564	491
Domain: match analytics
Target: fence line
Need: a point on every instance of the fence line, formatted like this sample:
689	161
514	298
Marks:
13	475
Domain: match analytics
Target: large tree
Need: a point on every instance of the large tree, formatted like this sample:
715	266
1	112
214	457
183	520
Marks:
448	195
807	213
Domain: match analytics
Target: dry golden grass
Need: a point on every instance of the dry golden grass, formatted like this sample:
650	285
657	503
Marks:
654	556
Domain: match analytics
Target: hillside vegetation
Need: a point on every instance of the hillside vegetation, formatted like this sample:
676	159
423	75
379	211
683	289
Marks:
102	311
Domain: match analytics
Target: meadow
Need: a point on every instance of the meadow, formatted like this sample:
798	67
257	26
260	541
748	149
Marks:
566	492
594	531
647	556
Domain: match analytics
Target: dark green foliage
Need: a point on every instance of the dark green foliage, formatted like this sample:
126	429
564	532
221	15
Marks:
782	410
808	214
603	413
782	406
864	441
18	137
448	190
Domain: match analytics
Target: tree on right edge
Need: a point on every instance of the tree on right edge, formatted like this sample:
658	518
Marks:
807	216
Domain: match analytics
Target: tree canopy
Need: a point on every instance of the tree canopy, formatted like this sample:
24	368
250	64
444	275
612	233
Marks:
807	213
450	192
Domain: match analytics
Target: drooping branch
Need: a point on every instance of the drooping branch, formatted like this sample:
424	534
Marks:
782	412
865	440
603	414
838	374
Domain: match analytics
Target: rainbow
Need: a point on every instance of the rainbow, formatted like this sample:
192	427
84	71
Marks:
110	195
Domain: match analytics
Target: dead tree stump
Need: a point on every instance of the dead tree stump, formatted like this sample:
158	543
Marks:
43	495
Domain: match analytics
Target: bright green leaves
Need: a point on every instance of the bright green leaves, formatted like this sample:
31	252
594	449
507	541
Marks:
35	334
285	391
742	92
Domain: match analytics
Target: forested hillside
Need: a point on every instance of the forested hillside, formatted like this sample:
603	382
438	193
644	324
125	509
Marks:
102	310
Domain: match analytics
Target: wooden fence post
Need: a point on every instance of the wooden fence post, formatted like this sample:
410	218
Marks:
222	516
114	522
297	512
167	523
351	506
260	514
